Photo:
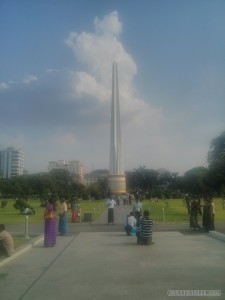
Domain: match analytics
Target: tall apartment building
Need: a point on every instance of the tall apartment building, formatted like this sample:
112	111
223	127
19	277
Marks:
74	167
11	162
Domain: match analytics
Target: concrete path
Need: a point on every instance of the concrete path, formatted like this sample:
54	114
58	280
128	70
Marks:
107	264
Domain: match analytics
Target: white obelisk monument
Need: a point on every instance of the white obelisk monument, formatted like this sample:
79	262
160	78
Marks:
116	179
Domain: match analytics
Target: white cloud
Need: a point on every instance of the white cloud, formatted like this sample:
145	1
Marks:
29	79
110	25
50	70
3	86
96	51
95	89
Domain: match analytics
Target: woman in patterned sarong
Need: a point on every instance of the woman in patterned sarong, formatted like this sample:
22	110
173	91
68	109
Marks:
50	224
75	207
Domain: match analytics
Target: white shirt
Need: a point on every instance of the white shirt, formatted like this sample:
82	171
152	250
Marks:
131	221
63	208
110	203
138	206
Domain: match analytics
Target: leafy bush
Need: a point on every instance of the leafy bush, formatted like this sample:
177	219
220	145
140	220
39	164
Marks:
21	204
3	203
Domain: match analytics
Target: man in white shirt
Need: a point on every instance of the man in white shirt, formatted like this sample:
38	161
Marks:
137	210
110	203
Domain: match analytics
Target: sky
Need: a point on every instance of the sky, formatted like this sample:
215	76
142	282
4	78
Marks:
56	80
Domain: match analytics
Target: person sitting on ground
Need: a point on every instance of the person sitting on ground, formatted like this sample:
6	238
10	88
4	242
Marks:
6	242
130	224
144	233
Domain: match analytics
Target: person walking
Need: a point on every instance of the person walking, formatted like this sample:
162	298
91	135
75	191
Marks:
137	210
6	242
62	229
50	224
213	214
111	203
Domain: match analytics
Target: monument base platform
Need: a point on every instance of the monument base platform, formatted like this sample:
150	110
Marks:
117	184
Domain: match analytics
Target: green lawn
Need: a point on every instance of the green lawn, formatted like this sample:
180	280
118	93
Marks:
9	215
174	211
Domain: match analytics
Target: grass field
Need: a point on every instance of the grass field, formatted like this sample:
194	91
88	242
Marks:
172	210
168	210
9	215
175	210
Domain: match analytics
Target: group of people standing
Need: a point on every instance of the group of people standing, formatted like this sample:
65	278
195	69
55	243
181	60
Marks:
50	216
206	211
50	228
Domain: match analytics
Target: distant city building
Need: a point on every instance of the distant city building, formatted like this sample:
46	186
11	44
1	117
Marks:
96	175
11	162
74	167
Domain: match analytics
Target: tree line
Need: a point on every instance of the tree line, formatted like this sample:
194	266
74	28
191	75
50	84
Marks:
199	181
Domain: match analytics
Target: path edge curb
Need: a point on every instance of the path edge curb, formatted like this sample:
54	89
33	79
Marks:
23	249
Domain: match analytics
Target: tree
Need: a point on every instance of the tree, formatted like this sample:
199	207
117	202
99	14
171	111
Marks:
216	161
216	152
142	179
194	181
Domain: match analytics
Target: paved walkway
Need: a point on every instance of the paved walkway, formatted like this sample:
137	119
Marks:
107	264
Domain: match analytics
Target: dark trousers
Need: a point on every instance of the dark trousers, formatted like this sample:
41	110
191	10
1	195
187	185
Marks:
110	215
137	215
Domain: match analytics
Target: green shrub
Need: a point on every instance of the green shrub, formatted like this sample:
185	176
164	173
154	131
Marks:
4	203
21	204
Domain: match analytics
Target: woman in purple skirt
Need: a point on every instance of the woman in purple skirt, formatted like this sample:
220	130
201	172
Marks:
50	224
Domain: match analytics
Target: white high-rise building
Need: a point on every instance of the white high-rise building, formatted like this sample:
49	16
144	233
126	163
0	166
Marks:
11	162
74	167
